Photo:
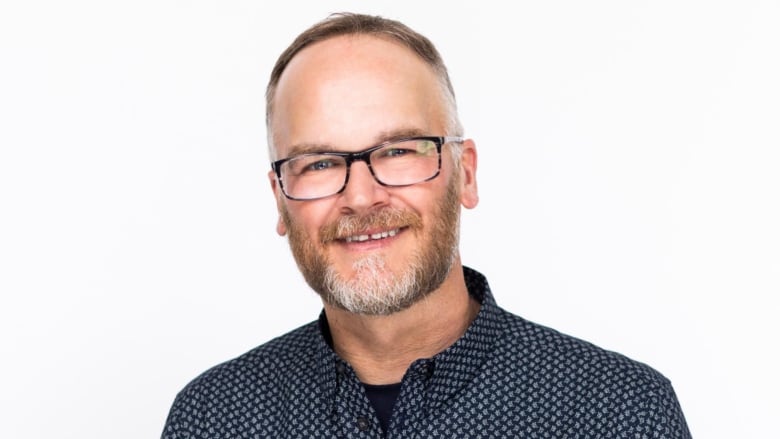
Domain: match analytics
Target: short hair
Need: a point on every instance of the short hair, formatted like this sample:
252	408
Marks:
345	23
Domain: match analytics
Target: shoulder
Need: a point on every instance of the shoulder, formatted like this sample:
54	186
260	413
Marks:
260	376
267	362
536	347
542	345
574	376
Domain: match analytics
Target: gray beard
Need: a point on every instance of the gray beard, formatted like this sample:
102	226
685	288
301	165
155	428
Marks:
374	289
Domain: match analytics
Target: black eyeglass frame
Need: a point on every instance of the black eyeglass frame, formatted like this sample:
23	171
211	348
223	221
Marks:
365	156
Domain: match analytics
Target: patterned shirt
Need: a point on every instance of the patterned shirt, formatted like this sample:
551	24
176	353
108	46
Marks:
505	377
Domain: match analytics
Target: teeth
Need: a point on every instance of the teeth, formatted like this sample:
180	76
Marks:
381	235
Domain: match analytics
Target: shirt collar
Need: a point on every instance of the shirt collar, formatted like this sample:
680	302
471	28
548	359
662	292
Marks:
461	363
453	368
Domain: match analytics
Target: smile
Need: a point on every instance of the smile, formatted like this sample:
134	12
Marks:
373	236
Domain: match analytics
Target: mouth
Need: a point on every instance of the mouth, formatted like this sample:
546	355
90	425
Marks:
379	227
372	236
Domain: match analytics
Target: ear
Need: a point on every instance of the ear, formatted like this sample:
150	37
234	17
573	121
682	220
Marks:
281	227
469	197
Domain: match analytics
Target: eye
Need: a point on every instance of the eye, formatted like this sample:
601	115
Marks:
397	152
321	165
408	149
313	164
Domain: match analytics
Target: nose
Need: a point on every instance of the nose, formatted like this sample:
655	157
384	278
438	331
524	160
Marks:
362	191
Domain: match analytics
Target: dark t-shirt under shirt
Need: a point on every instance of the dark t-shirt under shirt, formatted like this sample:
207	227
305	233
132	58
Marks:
383	398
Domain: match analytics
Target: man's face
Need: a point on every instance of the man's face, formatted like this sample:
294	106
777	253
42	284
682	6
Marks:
347	94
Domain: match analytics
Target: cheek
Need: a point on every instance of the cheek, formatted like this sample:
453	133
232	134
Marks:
306	217
424	201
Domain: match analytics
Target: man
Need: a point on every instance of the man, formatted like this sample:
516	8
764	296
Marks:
369	173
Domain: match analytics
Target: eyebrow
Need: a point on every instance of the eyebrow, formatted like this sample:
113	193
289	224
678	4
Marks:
383	137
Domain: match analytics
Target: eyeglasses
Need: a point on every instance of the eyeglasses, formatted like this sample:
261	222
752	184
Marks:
396	163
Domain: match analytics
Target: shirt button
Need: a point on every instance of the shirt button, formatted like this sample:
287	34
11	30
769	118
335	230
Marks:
363	424
340	369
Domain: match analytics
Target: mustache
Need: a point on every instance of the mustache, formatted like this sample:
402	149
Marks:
385	219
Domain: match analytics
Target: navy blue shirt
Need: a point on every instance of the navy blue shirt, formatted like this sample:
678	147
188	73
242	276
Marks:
505	377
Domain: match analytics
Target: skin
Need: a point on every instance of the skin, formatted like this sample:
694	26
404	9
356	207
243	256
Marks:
348	93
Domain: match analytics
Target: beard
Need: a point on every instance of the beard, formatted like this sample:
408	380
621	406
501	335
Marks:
374	288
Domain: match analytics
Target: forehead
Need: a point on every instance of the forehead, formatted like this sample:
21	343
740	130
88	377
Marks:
346	91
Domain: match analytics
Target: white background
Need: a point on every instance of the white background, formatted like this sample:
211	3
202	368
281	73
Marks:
628	175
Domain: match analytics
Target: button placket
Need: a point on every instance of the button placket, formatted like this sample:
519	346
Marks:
352	410
411	407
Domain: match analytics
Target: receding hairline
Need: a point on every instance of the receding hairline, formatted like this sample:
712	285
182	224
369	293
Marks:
350	24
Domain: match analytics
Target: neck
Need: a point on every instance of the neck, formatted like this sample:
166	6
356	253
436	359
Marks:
381	348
